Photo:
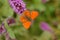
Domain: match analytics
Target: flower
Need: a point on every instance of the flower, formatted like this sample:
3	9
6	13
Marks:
2	29
44	1
10	21
45	27
7	36
17	5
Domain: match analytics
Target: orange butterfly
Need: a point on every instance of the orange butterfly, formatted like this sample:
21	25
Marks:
26	18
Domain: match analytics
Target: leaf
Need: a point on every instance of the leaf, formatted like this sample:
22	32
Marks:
40	7
51	8
45	36
37	1
6	9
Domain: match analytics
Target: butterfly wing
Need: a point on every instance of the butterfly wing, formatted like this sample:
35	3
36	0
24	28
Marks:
34	14
22	19
26	23
27	13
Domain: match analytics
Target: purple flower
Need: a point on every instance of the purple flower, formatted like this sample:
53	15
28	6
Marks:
17	5
44	1
7	37
2	29
45	27
10	21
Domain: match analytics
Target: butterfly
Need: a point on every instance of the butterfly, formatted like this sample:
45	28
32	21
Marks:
27	17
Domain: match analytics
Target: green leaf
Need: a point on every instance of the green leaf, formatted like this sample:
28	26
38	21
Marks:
51	8
40	7
37	1
45	36
6	9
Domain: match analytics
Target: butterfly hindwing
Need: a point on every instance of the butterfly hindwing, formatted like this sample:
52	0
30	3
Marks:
27	25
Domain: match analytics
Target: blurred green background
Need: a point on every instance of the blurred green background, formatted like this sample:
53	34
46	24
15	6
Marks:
48	11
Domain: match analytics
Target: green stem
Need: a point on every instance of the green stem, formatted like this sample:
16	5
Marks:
10	32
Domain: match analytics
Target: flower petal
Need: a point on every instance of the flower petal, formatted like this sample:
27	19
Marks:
45	27
17	5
